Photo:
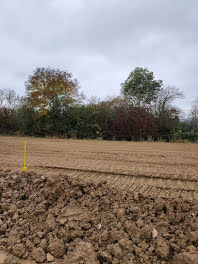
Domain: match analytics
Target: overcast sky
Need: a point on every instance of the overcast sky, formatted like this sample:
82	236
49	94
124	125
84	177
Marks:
100	42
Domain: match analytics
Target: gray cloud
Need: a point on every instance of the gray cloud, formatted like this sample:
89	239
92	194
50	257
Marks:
100	42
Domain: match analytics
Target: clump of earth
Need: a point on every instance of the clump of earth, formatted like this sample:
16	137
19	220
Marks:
61	220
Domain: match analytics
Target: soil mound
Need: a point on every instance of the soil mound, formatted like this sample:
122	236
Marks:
60	220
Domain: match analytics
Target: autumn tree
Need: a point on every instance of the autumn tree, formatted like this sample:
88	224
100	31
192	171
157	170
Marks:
140	88
51	89
133	123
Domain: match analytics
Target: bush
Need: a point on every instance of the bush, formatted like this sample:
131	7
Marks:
179	135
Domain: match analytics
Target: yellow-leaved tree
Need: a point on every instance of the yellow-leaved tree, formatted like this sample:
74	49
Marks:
49	88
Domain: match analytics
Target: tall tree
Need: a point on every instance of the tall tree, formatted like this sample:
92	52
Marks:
194	114
165	96
140	88
9	103
47	86
168	116
9	99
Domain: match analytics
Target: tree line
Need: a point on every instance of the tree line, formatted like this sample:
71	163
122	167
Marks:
54	106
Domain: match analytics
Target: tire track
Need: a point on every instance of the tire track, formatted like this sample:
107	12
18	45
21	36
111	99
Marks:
174	179
105	157
148	185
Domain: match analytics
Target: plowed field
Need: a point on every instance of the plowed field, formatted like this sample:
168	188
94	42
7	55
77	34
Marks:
98	202
155	169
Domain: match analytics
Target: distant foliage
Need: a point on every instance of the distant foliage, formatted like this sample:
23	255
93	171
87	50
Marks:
54	106
9	104
179	136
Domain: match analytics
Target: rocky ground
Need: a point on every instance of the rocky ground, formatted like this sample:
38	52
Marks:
49	219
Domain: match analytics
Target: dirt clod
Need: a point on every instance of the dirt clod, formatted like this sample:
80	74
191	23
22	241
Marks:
57	248
162	248
58	219
50	257
18	250
83	253
191	248
186	258
39	255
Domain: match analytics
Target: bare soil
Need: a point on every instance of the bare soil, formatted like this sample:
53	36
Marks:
157	169
98	202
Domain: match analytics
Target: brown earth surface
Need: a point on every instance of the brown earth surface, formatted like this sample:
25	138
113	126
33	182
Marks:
61	211
157	169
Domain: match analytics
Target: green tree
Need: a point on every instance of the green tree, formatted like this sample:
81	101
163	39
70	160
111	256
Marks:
25	119
106	116
87	121
140	88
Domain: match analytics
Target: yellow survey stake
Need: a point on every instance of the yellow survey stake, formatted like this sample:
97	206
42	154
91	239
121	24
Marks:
24	168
